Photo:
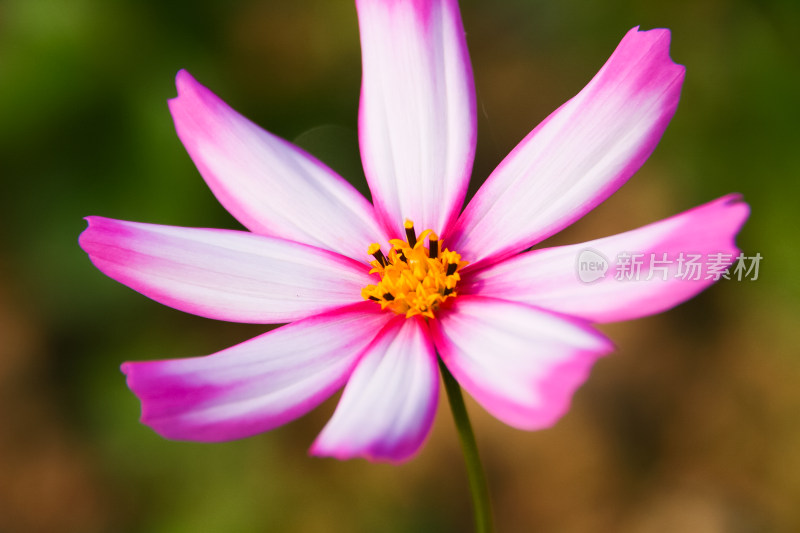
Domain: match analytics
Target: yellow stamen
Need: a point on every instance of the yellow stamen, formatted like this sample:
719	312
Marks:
410	235
375	251
433	246
415	279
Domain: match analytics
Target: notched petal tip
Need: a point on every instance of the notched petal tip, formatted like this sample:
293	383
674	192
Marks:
87	240
137	382
129	370
82	238
191	93
729	212
658	39
652	48
194	104
185	82
735	214
735	199
93	221
188	92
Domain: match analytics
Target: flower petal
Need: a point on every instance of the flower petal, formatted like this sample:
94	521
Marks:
522	364
271	186
580	154
550	278
387	407
226	275
256	385
417	124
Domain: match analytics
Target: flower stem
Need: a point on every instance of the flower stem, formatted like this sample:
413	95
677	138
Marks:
477	479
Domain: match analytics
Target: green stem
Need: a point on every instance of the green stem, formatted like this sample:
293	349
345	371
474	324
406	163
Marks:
477	479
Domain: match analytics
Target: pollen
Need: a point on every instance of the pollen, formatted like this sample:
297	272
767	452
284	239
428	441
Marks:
416	274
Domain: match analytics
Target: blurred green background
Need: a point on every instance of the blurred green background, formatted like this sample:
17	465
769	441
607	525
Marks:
692	425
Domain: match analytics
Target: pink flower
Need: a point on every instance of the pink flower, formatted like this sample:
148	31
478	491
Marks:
512	326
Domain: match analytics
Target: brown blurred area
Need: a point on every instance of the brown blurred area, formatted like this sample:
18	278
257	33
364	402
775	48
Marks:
50	479
692	425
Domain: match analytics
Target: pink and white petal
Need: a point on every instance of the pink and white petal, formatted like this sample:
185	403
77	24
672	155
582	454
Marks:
271	186
579	155
222	274
387	408
257	385
522	364
549	278
417	125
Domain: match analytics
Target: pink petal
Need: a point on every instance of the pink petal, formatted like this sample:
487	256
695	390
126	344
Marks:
417	116
522	364
271	186
549	278
256	385
221	274
387	407
577	157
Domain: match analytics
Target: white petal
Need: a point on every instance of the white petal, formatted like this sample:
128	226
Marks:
577	157
271	186
387	407
256	385
222	274
522	364
586	280
417	116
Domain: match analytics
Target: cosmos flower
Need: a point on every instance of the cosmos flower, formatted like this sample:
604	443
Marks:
371	294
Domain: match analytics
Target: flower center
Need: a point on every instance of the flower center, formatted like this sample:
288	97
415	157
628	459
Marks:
415	277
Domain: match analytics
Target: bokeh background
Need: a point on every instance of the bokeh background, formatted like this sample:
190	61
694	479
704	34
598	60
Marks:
692	425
